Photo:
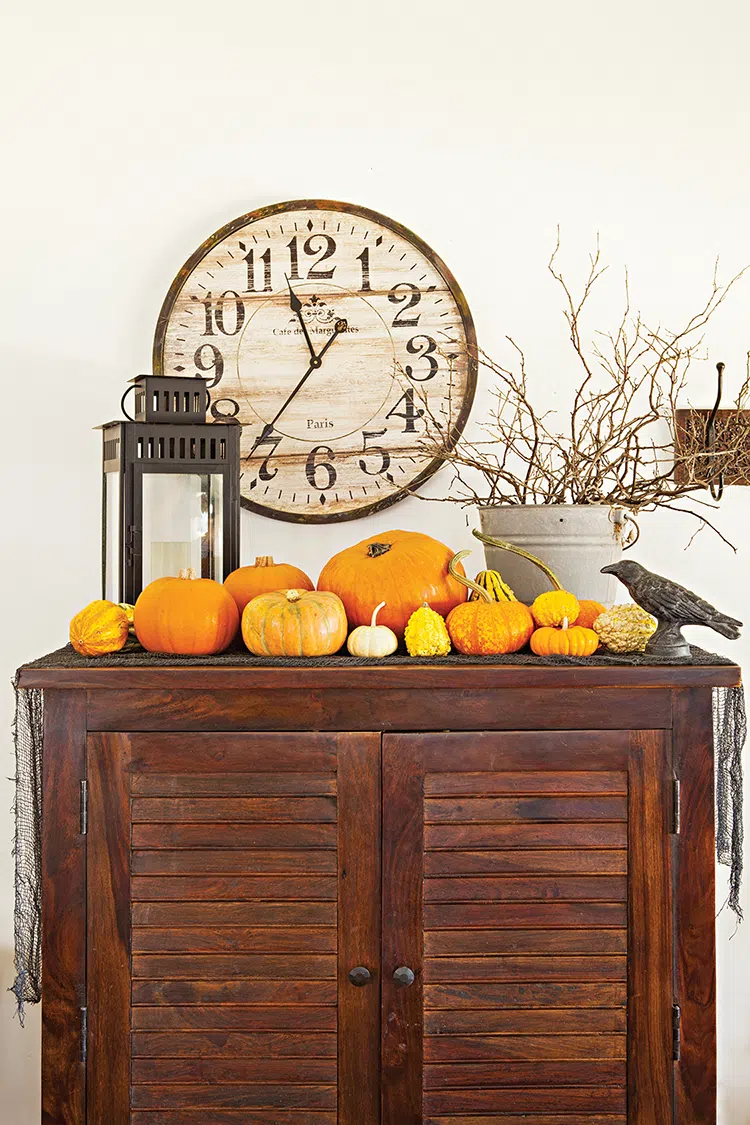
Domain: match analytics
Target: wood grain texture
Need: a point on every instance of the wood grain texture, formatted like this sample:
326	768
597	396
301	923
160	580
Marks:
205	861
476	810
524	709
535	834
418	677
234	1017
203	992
650	931
523	1048
519	968
526	888
215	888
403	845
695	909
594	861
572	1100
108	962
245	1117
260	836
233	785
242	1045
247	914
477	995
235	966
489	1076
530	781
63	909
232	752
294	1072
359	928
515	1119
442	943
235	810
205	1095
236	939
441	915
524	1021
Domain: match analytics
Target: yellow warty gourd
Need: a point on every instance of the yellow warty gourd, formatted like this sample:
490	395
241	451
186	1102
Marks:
625	628
426	634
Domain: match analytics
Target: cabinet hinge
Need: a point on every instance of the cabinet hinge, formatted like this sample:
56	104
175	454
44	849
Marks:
84	1033
84	807
676	806
676	1014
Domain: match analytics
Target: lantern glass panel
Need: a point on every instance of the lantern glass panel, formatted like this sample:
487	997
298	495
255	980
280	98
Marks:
112	537
183	525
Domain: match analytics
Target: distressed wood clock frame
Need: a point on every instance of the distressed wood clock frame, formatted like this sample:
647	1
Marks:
459	411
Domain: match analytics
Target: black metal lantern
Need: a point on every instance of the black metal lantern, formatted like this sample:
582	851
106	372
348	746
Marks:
171	496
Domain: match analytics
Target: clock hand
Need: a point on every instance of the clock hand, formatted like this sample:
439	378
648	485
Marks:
315	362
296	306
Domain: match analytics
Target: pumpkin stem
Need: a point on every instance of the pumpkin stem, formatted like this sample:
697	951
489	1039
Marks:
519	551
564	623
482	593
264	560
187	572
375	550
375	612
293	595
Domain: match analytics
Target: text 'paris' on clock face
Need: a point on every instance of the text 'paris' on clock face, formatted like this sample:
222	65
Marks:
336	337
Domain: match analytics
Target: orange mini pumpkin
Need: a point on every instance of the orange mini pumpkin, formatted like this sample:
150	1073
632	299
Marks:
486	627
186	616
567	641
100	628
404	569
588	611
263	577
294	623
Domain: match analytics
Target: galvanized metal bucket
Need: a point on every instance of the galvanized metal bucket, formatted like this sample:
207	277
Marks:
574	540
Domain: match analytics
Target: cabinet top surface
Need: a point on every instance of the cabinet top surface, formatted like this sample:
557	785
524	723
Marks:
63	670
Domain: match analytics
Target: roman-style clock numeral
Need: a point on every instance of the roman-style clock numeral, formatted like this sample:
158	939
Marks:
410	413
401	320
208	358
424	350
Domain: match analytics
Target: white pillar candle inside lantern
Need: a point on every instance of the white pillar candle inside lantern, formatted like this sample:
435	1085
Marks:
182	525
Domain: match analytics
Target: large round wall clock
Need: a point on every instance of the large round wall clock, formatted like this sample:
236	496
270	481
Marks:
336	337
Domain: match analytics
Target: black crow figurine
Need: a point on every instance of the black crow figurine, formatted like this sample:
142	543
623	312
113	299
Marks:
673	606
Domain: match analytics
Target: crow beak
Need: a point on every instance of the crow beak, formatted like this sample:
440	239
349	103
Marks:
611	569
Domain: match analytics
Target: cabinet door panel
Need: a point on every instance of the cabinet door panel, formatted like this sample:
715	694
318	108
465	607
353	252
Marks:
530	895
233	883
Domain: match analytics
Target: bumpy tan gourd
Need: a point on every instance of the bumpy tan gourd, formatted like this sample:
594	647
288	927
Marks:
625	628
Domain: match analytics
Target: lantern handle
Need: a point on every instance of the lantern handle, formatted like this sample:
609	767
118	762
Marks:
122	402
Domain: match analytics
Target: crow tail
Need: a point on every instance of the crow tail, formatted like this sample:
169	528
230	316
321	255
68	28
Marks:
728	627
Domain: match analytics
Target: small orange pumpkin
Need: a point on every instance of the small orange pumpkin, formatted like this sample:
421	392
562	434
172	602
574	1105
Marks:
99	628
263	577
588	611
186	616
566	641
486	627
294	623
404	569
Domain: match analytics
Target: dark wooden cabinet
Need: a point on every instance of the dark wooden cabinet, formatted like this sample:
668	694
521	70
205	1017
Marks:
408	895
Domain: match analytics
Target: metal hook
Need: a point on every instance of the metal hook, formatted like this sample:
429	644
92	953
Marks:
715	486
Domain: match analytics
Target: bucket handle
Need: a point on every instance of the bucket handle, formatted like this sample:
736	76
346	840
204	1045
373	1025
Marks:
629	538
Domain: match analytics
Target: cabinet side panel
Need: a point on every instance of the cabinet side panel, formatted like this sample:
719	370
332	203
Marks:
63	909
695	909
109	930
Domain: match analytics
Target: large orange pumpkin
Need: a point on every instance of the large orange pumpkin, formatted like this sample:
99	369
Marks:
294	623
186	616
486	627
404	569
264	576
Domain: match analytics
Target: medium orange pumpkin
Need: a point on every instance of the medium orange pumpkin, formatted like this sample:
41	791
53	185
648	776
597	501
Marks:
186	616
264	576
404	569
567	641
294	623
588	611
486	627
100	628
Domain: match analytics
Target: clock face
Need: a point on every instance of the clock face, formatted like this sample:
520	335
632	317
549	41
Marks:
337	338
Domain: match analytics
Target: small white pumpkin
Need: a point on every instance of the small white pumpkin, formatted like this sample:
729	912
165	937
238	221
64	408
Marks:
373	639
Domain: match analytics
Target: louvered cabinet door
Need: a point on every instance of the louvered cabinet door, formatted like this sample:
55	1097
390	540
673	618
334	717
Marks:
233	883
526	886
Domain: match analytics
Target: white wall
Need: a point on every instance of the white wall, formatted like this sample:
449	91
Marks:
131	132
